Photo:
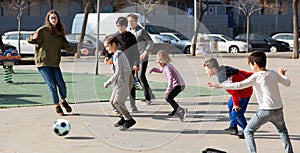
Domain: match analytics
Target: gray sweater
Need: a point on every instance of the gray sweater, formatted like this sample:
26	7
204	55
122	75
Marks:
144	41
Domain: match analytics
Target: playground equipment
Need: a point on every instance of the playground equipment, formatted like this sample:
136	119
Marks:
8	59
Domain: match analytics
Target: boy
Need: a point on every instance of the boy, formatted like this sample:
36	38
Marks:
238	102
265	84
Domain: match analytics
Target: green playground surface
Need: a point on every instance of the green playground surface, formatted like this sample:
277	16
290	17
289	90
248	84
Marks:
29	89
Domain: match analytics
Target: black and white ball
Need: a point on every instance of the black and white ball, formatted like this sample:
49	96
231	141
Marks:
61	127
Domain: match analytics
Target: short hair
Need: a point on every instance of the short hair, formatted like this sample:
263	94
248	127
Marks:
211	63
259	58
163	56
122	21
112	38
131	15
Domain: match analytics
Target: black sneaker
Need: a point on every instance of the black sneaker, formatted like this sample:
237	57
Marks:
66	106
120	122
59	111
181	112
172	113
241	136
232	130
127	124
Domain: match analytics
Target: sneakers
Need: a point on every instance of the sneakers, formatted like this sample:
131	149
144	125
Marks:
232	130
115	111
241	136
127	124
134	109
148	102
172	113
59	111
181	112
66	106
120	122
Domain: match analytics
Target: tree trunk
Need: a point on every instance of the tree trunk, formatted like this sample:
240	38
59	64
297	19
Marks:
247	33
84	23
295	30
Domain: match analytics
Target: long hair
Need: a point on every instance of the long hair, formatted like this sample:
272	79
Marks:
59	28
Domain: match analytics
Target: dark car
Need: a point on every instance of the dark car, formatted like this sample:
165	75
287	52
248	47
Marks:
264	43
89	42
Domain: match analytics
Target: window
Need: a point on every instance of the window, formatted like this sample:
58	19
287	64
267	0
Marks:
211	10
176	8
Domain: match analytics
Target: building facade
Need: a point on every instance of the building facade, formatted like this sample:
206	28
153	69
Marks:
222	16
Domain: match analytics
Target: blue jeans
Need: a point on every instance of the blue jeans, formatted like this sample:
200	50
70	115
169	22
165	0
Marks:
238	118
261	117
53	78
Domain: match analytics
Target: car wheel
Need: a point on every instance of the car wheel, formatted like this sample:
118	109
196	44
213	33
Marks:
234	49
187	50
273	49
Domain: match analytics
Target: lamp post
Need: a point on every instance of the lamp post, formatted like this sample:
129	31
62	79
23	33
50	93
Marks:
97	40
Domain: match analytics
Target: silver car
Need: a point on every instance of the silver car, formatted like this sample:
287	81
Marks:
179	41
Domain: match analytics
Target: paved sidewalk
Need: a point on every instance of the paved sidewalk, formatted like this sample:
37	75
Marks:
29	129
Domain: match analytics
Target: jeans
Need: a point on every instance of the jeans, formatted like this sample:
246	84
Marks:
174	92
238	118
53	78
143	80
261	117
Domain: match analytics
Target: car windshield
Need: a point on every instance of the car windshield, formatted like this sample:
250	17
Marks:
181	36
150	29
227	38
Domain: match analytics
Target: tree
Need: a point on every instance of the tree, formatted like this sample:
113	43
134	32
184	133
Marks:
145	7
202	10
295	29
248	7
19	5
88	6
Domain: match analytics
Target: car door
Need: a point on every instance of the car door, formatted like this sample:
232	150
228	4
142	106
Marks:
174	41
26	48
221	43
260	42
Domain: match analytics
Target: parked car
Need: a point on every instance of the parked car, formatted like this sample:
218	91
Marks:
264	43
11	38
226	44
285	37
179	41
89	42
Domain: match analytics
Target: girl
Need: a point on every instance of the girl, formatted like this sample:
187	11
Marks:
49	40
120	79
175	82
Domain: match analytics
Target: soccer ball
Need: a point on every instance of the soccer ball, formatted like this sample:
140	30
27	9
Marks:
61	127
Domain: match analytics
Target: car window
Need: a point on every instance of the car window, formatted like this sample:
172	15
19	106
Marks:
280	37
25	36
214	38
170	37
12	37
181	36
227	38
290	37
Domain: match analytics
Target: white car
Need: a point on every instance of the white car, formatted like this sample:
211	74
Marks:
11	38
285	37
179	41
226	44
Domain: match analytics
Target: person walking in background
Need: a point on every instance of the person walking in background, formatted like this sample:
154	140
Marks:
120	80
49	40
265	84
145	44
238	102
176	83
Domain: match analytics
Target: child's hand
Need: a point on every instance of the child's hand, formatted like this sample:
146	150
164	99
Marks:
213	85
84	51
236	108
167	93
105	85
150	71
282	71
35	35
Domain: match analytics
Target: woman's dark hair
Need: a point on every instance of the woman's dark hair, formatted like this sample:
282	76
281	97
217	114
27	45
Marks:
122	21
259	58
58	29
112	39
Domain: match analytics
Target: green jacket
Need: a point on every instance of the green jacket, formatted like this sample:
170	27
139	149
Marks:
48	48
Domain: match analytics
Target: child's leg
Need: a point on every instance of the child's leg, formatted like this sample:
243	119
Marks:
232	122
239	116
278	121
170	98
260	118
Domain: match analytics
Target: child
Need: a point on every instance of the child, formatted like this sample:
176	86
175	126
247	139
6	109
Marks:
175	82
238	102
120	79
265	83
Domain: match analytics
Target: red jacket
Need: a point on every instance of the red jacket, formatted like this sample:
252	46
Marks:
243	93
